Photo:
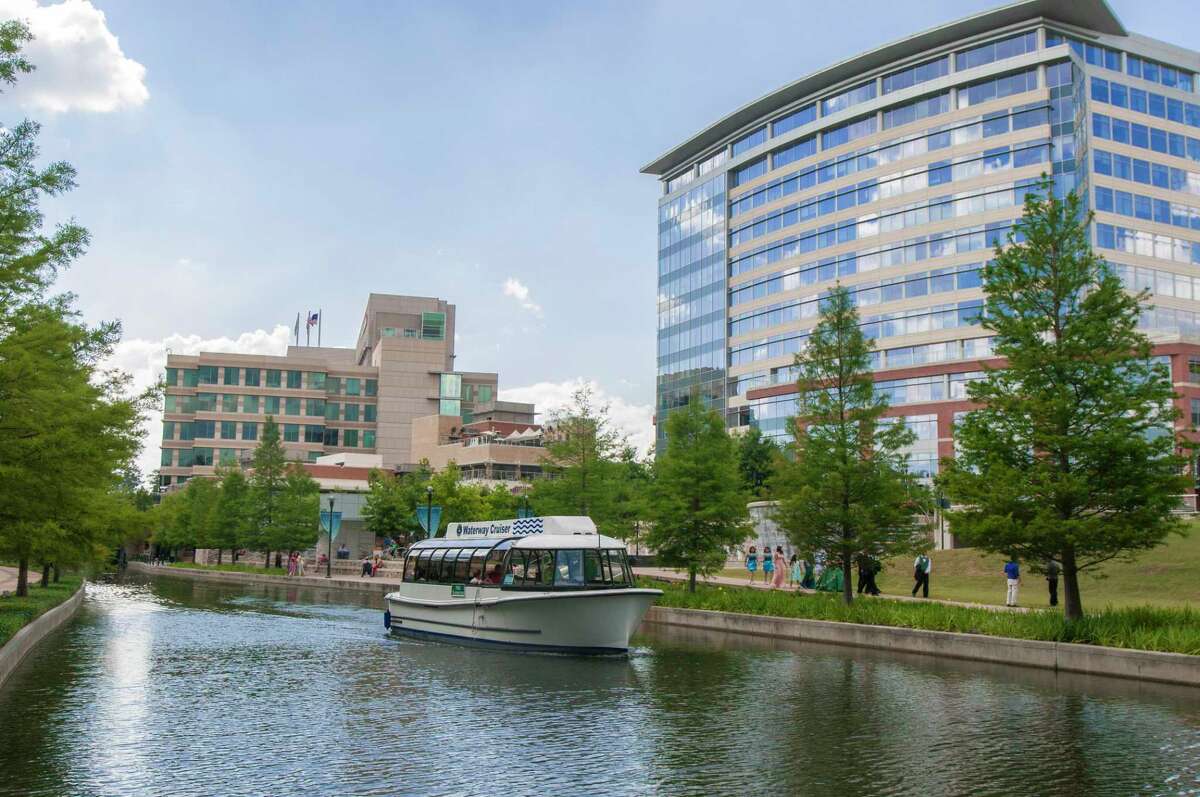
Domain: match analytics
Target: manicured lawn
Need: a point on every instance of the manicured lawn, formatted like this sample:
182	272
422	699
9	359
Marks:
1168	576
18	612
1144	628
233	568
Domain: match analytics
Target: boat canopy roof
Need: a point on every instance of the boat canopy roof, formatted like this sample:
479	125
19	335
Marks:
536	532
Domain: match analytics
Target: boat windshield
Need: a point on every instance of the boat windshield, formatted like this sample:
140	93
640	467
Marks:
570	568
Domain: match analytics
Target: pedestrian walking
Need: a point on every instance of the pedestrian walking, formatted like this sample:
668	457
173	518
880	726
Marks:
862	574
1052	571
300	564
1012	573
291	568
809	581
795	572
780	567
752	562
768	564
874	566
921	567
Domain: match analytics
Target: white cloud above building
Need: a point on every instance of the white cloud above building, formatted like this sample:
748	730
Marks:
635	421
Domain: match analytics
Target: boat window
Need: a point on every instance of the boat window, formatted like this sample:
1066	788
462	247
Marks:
570	569
477	571
422	571
447	570
410	566
493	566
435	565
461	565
592	571
614	567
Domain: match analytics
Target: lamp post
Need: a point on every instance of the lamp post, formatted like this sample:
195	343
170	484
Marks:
329	543
429	511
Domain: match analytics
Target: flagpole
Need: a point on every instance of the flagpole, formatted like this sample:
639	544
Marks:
320	320
297	329
307	328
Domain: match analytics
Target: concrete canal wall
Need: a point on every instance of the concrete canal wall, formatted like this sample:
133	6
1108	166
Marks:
376	586
1171	668
26	639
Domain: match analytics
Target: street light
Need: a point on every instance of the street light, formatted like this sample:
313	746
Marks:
429	510
329	543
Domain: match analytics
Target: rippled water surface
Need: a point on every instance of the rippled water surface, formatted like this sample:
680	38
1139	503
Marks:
175	688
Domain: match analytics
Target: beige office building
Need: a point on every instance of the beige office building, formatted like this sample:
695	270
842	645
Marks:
326	400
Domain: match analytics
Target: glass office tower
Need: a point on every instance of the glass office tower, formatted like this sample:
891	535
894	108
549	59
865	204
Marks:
895	173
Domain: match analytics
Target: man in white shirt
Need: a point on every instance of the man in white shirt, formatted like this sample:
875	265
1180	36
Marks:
921	567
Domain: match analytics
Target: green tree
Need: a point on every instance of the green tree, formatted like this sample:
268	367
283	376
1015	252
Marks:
266	490
459	502
295	526
757	458
582	449
233	524
390	509
1071	455
847	490
698	508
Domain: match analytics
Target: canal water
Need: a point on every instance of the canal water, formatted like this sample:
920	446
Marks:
170	687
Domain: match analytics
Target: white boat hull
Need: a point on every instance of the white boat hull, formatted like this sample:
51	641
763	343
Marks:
592	621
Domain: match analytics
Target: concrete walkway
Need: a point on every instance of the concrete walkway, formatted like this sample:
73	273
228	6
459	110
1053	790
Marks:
8	580
727	581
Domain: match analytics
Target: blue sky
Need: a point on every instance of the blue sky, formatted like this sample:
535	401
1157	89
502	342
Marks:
276	157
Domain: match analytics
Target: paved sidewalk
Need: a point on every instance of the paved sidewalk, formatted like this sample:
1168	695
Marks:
8	580
726	581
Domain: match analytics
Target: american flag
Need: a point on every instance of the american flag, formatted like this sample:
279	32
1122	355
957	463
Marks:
312	319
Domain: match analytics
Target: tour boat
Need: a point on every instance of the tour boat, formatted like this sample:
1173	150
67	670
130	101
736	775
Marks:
542	584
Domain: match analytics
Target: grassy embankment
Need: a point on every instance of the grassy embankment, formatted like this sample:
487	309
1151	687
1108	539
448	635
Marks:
1168	577
16	613
1172	630
233	568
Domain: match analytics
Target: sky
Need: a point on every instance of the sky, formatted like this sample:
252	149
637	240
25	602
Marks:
240	162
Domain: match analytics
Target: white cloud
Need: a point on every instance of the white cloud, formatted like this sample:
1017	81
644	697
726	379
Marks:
516	290
80	65
144	360
634	420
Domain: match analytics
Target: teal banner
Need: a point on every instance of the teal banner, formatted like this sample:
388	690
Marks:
337	523
423	513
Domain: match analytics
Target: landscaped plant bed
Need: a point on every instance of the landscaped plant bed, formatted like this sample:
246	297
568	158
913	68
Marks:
16	613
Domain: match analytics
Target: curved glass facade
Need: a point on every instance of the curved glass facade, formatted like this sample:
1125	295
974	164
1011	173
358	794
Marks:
896	182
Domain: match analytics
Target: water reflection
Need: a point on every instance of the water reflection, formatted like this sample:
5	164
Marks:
178	688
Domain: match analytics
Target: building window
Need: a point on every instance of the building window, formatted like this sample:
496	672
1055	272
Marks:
294	379
186	458
847	98
316	380
485	393
291	406
291	433
229	402
372	387
228	457
313	456
231	375
170	403
389	332
368	438
187	431
1194	370
229	430
369	413
352	385
249	431
204	430
433	326
331	410
750	141
905	78
450	386
190	377
271	405
333	385
206	374
250	405
794	119
171	377
351	412
350	438
1196	412
331	437
314	434
996	51
315	408
273	377
410	333
168	430
166	460
450	407
251	377
202	456
206	402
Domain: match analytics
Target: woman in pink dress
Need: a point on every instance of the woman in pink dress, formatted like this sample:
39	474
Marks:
780	568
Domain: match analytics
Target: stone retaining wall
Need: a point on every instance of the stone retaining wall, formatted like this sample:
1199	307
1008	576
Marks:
1171	668
372	585
26	639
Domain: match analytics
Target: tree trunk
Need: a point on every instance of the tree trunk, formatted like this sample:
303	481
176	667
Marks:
278	559
55	568
219	552
266	560
847	584
1072	603
691	579
45	575
22	578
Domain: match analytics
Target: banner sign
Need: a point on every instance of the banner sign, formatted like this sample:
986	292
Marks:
337	523
423	519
